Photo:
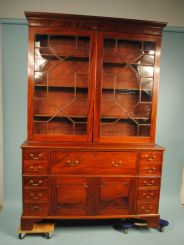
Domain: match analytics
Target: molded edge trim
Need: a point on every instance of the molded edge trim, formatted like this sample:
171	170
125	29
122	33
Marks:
25	22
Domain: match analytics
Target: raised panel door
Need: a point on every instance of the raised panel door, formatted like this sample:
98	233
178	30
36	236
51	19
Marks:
115	195
70	196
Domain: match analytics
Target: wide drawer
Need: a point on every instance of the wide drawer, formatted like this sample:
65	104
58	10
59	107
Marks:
93	162
35	167
151	157
31	194
149	182
147	208
35	155
30	181
151	169
36	208
148	195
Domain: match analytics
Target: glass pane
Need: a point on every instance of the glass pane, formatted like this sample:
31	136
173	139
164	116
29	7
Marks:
126	101
61	84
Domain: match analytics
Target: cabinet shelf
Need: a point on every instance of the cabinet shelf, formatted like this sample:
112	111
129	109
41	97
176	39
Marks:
139	120
44	118
127	91
85	89
123	64
61	87
65	57
104	119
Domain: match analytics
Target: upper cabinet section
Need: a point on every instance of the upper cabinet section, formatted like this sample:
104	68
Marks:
92	78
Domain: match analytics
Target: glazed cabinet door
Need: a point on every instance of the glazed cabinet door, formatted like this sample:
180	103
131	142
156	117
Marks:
70	196
127	83
60	85
115	196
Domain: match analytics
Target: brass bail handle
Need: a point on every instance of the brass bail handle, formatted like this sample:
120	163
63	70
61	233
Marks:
72	163
116	164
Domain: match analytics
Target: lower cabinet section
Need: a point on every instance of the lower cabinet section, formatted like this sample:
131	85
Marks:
80	185
73	196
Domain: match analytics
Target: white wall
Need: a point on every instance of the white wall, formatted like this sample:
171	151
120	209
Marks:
1	131
170	11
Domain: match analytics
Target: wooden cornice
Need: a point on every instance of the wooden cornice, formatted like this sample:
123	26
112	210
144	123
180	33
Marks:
71	21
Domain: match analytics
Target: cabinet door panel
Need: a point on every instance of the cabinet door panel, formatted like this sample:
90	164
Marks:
70	196
125	104
115	196
62	81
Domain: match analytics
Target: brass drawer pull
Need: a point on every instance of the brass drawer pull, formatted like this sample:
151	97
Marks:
151	170
114	164
85	185
36	207
36	197
150	158
149	183
148	196
35	169
72	163
36	157
146	210
35	184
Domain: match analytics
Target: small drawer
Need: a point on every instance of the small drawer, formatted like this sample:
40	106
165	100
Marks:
35	167
35	181
151	157
36	208
150	169
149	182
147	195
93	162
35	195
147	208
35	155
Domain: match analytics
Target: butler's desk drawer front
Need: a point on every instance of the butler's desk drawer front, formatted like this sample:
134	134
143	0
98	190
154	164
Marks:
63	162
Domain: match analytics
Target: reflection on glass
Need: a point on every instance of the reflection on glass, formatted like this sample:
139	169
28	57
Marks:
126	102
61	84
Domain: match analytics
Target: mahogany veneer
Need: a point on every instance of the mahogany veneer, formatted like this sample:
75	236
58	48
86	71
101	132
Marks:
92	102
